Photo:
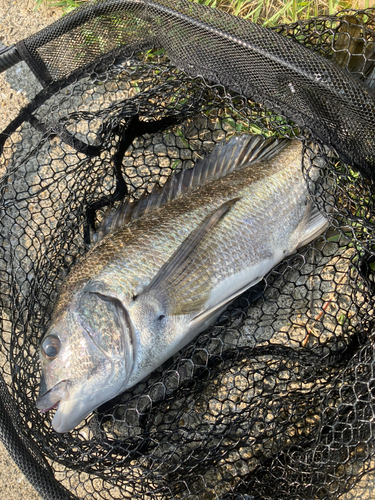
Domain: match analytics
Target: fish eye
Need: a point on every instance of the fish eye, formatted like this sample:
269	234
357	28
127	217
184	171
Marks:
51	347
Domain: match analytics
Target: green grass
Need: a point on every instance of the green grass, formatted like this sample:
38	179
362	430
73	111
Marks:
265	12
65	5
272	12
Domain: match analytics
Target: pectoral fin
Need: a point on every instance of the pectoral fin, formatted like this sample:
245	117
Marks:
183	282
208	315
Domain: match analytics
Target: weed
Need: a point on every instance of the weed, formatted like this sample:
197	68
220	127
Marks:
265	12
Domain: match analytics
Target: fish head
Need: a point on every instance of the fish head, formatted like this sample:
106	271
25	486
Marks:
86	356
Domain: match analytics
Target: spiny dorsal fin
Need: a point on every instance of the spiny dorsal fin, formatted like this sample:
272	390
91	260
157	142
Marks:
239	152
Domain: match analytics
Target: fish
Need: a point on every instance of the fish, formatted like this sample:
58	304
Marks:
163	269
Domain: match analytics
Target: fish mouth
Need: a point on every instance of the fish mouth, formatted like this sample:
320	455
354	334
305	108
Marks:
45	410
51	399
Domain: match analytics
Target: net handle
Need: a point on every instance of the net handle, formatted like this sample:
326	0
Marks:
9	56
37	472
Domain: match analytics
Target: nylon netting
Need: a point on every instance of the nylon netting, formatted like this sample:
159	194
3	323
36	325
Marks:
274	401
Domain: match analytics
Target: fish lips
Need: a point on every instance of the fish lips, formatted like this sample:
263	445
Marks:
49	400
71	407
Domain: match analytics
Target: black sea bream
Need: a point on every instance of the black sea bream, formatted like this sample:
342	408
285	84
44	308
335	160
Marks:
163	269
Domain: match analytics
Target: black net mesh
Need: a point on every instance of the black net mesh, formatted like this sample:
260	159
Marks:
275	401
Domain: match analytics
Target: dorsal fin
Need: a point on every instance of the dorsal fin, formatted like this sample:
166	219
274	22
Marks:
239	152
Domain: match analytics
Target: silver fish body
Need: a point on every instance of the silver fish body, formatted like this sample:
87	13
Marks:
151	284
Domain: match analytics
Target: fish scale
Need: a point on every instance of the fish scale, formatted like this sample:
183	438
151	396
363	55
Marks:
196	205
163	271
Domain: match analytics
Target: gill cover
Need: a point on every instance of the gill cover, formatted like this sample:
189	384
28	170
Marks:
107	322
